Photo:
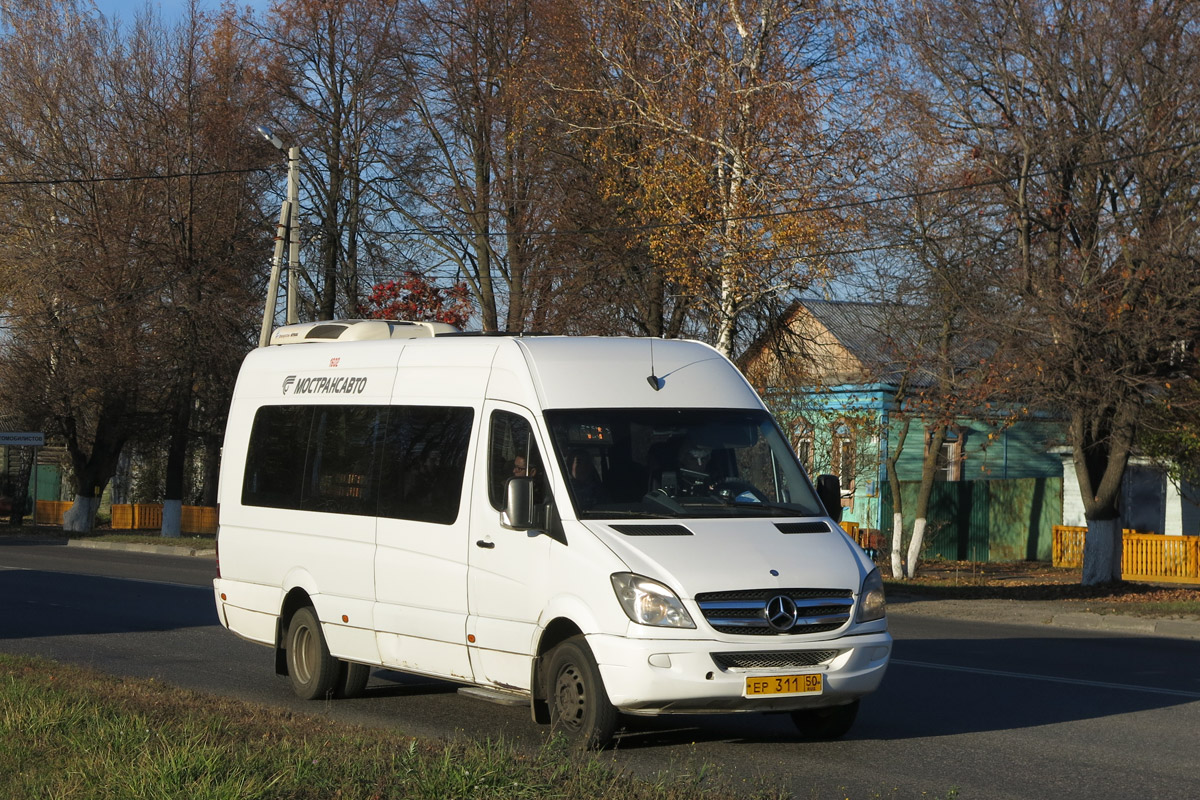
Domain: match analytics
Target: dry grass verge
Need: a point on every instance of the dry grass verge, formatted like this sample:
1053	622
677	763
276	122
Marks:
1038	581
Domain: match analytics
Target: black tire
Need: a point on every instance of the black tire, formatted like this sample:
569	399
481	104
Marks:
352	680
313	672
825	724
579	706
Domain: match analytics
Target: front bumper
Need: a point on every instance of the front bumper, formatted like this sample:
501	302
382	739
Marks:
651	676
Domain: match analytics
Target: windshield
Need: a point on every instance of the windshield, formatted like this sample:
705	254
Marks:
678	463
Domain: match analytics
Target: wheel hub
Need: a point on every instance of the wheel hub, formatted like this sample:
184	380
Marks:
569	696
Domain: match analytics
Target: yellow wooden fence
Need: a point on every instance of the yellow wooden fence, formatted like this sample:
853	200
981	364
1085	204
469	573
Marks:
148	516
1144	556
135	516
866	538
50	512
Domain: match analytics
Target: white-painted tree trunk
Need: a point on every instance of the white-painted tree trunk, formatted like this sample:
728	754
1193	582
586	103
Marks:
915	545
897	546
1102	552
172	523
81	516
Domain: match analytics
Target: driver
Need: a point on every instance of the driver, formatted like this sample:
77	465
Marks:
695	462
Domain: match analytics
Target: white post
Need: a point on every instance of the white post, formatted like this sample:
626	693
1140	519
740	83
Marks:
293	194
264	336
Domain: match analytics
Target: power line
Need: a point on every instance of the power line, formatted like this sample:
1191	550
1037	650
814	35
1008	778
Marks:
128	178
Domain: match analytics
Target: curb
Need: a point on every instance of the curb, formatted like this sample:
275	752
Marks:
1171	628
157	549
1040	614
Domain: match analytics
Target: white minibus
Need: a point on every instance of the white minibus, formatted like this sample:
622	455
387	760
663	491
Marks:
595	526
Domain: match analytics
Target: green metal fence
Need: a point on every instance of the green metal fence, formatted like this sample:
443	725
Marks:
986	520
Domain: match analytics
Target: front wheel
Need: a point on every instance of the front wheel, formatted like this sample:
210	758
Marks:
351	680
825	724
579	706
312	670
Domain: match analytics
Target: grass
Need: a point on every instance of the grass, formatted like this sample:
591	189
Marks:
191	541
67	732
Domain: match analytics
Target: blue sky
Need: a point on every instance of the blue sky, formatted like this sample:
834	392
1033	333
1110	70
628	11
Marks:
170	9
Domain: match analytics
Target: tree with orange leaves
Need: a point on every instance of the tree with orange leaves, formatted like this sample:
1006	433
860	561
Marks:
733	107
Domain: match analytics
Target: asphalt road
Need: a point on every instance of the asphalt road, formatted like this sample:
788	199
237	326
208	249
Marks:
992	710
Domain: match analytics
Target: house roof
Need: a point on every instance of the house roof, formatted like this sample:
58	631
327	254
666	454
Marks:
867	330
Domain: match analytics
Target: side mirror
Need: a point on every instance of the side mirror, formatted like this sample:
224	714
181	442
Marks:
829	489
519	507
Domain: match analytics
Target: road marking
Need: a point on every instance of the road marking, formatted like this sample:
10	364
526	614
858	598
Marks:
1050	679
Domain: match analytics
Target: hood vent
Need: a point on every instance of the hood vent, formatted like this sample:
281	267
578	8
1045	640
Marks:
652	530
802	527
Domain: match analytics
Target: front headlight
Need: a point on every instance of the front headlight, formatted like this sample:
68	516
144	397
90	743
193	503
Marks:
648	602
871	602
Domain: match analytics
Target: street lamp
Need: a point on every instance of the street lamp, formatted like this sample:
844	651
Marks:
289	230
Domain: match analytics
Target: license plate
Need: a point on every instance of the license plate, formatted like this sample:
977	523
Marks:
775	685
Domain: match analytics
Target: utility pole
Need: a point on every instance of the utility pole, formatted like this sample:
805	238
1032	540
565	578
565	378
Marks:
288	230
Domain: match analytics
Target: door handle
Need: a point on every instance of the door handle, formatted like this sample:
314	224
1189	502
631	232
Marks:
486	545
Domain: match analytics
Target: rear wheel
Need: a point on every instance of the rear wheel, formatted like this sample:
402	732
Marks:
579	706
313	672
825	724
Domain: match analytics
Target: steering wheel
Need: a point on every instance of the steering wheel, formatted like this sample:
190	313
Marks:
733	490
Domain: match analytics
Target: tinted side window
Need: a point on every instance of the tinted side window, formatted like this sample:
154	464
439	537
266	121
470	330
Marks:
314	458
512	452
275	458
425	458
340	463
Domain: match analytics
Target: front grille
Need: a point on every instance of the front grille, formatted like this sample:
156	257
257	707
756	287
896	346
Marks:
751	612
784	660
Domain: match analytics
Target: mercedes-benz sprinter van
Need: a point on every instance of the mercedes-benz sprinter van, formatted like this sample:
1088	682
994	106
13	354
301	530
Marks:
595	526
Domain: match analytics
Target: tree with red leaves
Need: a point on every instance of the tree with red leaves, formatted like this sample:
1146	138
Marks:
415	297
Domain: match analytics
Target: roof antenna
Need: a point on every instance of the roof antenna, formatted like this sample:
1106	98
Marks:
655	382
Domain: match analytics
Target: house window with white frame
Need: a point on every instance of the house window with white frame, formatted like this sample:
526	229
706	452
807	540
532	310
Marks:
841	456
951	456
802	443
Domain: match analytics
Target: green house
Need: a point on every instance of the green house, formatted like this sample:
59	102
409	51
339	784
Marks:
999	487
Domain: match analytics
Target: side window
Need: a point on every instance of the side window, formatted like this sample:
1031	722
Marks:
275	458
340	463
424	460
512	451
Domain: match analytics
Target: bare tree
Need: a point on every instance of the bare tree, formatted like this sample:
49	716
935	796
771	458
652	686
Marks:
204	85
479	186
77	357
107	240
1083	121
337	74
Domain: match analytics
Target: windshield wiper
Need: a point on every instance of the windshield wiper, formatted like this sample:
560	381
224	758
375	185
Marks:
599	515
